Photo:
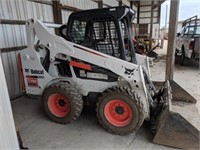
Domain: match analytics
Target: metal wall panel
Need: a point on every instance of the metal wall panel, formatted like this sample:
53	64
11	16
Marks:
111	2
145	12
146	8
147	20
8	137
148	14
134	8
81	4
116	2
145	2
65	15
126	2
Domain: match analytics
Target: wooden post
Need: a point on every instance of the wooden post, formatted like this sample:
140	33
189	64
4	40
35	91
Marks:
100	3
131	4
174	10
120	2
57	14
12	22
151	26
159	12
138	13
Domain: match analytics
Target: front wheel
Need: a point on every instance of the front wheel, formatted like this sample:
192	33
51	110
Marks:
120	111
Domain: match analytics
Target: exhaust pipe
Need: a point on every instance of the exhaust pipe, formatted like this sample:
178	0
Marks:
178	124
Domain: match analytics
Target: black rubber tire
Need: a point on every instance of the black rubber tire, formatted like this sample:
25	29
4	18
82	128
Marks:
182	57
176	52
128	96
74	99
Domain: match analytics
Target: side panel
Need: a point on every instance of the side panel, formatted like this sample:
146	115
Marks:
186	43
178	43
35	76
143	61
197	45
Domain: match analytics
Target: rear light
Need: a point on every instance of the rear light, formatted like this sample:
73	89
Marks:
191	45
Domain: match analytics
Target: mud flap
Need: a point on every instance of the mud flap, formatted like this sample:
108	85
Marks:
178	124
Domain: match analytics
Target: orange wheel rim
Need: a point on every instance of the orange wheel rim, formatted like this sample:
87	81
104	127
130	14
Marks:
58	105
118	113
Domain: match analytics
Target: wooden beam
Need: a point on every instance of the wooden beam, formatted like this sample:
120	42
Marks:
131	4
10	49
146	11
17	22
145	5
57	14
148	17
106	5
159	12
41	2
138	13
120	2
65	7
174	11
70	8
100	3
159	3
12	22
151	26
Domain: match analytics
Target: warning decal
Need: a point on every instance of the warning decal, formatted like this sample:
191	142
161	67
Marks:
32	81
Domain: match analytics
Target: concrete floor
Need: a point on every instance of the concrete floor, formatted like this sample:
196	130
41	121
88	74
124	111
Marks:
38	132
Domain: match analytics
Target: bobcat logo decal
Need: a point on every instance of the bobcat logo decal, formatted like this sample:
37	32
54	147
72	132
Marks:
129	71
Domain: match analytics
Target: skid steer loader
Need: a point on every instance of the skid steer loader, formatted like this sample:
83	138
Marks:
94	61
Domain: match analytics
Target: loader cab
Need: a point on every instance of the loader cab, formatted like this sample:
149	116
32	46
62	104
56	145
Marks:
106	30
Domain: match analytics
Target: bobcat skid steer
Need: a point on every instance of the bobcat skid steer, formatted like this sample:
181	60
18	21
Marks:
94	62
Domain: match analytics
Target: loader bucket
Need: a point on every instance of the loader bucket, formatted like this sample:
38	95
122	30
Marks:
178	124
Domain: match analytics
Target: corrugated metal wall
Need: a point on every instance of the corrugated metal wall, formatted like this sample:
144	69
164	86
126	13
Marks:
81	4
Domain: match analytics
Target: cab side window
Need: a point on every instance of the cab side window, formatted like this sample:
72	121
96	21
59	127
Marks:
78	31
189	31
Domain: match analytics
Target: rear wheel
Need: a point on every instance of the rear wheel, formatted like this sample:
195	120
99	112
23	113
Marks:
120	111
176	52
62	102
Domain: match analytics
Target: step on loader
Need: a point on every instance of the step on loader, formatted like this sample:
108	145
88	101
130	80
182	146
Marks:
93	61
